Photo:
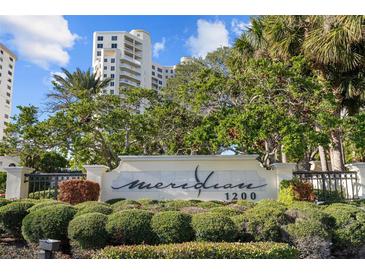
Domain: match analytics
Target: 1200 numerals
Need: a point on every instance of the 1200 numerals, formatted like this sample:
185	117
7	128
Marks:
240	196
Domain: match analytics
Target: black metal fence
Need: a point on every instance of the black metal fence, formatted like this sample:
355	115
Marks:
45	185
332	185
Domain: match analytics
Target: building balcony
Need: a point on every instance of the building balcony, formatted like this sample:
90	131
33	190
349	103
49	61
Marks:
126	82
130	75
130	60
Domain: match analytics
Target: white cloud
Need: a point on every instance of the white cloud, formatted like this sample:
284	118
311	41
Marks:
158	47
42	40
210	36
47	81
237	27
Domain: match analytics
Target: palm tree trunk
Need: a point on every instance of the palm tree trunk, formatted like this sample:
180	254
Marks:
323	158
336	151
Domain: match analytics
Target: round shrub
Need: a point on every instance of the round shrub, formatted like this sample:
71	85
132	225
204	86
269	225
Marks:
172	227
210	204
125	204
225	210
130	227
48	222
311	238
308	213
88	230
113	201
214	227
349	231
77	191
4	202
44	204
98	207
11	216
263	222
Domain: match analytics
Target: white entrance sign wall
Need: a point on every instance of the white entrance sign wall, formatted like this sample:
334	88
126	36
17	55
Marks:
213	177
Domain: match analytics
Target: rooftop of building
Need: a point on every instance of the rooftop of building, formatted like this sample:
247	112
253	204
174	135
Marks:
3	47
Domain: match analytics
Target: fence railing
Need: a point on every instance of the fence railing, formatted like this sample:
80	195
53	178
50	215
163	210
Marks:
45	185
332	185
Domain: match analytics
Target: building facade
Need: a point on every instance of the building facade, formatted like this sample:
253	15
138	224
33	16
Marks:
7	66
126	58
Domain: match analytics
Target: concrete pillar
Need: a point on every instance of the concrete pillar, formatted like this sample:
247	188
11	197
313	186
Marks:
96	174
359	188
16	186
284	171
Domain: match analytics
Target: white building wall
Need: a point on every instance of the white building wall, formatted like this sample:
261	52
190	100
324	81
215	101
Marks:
7	67
133	65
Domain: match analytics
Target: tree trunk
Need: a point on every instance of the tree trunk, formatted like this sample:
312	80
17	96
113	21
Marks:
336	151
323	158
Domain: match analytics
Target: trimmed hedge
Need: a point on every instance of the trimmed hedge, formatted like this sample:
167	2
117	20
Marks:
48	222
78	190
43	204
172	227
11	216
95	207
88	230
349	231
196	250
125	204
214	227
130	227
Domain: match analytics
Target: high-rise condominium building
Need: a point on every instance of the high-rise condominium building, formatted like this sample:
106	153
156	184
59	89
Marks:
126	58
7	65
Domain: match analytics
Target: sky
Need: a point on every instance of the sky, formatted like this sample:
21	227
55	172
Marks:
45	44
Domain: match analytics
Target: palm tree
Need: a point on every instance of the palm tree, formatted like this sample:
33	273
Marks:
335	45
69	87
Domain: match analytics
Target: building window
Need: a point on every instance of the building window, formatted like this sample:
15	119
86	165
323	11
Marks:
8	102
10	66
112	68
166	70
105	75
100	38
153	67
153	73
159	76
114	46
6	116
98	53
160	82
112	60
9	80
105	68
1	51
114	38
10	73
105	59
9	87
159	70
11	59
172	71
112	84
112	76
112	92
100	46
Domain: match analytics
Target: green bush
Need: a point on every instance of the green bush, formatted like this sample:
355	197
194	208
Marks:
113	201
349	231
245	203
311	238
130	227
4	201
44	203
125	204
97	207
263	222
2	182
210	204
43	194
88	230
178	204
196	250
214	227
147	202
172	227
11	216
225	210
311	213
86	204
286	194
48	222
